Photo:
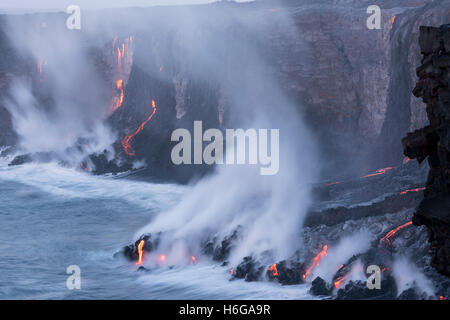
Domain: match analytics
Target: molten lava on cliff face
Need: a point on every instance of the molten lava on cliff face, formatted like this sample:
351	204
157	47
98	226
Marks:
316	261
127	139
124	53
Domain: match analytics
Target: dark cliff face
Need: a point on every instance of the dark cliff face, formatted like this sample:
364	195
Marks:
350	83
433	141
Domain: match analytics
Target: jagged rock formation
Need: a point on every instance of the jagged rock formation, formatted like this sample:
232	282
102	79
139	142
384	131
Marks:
433	141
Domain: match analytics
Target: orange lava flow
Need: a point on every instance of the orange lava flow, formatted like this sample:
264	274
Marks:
193	260
394	231
231	271
119	101
140	252
162	258
127	139
443	298
378	172
393	19
412	190
316	261
406	160
122	52
332	184
274	270
338	282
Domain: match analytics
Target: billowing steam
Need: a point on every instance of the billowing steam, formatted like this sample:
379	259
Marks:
340	253
66	100
69	100
267	210
407	275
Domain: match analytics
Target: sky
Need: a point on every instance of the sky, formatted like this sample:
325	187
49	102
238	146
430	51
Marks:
61	5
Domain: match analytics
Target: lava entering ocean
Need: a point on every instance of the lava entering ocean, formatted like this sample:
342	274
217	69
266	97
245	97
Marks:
274	270
140	252
126	140
316	261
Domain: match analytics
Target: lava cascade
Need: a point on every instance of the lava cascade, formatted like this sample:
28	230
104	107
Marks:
316	261
127	139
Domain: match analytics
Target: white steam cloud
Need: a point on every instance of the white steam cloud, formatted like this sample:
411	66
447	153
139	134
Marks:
407	275
66	100
340	253
269	209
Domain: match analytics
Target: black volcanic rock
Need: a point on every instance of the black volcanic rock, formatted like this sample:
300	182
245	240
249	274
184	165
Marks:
30	157
131	251
221	251
410	294
287	272
433	142
357	290
320	288
103	165
249	269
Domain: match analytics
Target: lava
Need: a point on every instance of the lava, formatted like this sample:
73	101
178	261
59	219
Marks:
140	252
193	260
378	172
127	139
385	239
122	55
412	190
274	270
406	160
162	258
392	21
231	271
316	261
339	280
332	183
119	101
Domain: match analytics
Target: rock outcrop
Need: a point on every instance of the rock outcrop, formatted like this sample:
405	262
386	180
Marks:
433	142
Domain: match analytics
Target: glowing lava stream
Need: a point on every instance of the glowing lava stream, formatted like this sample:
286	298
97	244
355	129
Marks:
378	172
140	252
412	190
122	51
393	19
394	231
316	261
126	140
274	270
338	282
